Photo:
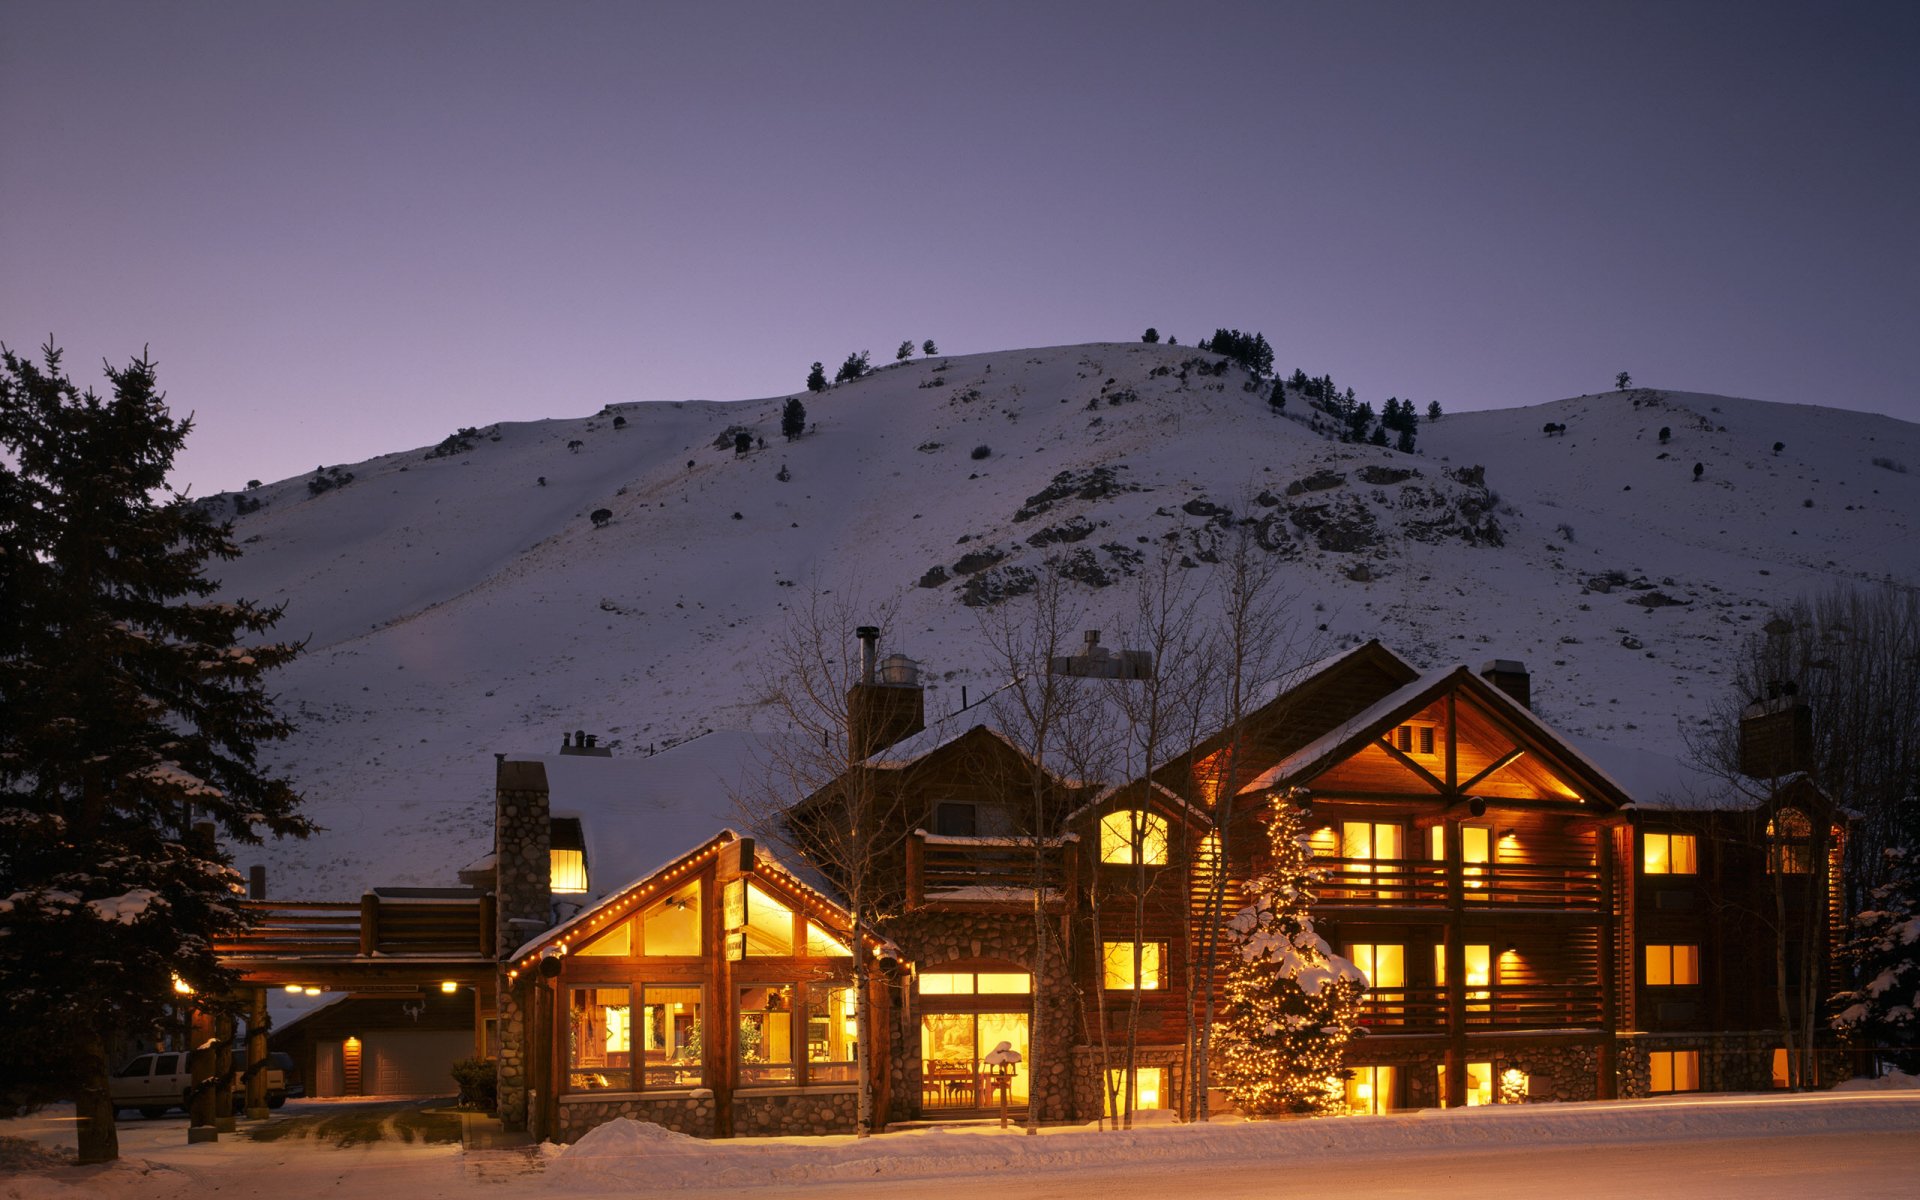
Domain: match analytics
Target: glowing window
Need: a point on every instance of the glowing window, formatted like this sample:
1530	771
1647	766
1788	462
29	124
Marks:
1119	965
671	1038
1385	966
1370	1090
1149	1088
1782	1076
1479	1084
766	1034
670	928
769	926
1789	843
821	944
566	857
832	1034
1479	966
1668	854
1673	1071
599	1045
1416	739
1133	836
616	942
967	983
1673	966
1364	840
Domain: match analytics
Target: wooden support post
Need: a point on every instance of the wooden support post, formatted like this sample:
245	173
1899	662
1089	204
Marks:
369	924
1456	953
200	1040
223	1073
916	869
257	1055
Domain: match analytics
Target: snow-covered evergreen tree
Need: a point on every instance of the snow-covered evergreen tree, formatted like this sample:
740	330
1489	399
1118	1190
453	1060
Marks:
1291	1003
130	709
1884	954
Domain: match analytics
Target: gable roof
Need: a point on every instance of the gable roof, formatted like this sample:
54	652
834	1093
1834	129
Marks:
1345	739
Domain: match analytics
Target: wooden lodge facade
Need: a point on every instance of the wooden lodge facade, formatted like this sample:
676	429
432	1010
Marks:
1530	930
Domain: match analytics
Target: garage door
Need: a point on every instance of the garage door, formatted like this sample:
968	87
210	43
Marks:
413	1062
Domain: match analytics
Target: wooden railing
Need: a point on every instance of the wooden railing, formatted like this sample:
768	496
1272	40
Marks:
1421	883
375	925
1424	1009
984	868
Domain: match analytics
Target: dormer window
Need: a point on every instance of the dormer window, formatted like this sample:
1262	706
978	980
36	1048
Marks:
567	857
1415	738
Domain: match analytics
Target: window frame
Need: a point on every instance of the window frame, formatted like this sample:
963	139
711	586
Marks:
705	1067
1670	840
1153	965
1119	848
1670	955
1673	1059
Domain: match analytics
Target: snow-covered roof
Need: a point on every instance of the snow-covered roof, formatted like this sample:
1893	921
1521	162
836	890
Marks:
1661	782
1414	695
1160	789
637	814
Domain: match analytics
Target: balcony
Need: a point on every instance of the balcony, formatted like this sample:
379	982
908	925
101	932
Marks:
1504	1007
1421	883
987	871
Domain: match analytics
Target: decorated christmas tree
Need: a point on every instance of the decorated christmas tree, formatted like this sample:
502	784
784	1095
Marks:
1291	1003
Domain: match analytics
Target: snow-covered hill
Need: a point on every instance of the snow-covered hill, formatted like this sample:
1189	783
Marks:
458	605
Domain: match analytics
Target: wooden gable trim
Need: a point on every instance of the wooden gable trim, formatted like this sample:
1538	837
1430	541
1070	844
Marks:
1564	761
594	919
1495	767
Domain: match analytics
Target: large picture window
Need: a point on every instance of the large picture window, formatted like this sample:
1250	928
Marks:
671	1036
766	1034
832	1034
599	1039
671	927
769	926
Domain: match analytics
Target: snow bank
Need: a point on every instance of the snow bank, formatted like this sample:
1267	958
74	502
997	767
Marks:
630	1153
1892	1081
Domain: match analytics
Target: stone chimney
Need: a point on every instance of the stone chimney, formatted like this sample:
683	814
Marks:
522	836
1510	676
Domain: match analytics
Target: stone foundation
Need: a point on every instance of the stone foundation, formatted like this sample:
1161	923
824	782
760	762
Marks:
777	1113
688	1114
1729	1062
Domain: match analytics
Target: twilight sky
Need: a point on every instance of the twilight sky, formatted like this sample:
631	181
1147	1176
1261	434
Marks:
345	229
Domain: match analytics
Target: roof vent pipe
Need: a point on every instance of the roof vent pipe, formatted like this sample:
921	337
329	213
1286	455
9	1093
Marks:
869	636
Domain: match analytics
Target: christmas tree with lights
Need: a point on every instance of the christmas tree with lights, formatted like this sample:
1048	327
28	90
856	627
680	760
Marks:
1291	1003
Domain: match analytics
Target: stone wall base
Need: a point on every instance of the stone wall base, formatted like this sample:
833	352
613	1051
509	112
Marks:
690	1115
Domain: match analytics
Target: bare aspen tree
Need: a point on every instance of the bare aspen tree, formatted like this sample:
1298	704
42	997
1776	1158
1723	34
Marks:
1157	718
1038	712
818	795
1257	637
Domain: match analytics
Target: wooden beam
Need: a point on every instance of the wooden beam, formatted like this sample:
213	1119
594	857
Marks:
1406	760
1504	761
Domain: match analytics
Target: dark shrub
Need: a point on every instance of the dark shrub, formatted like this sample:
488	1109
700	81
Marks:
982	451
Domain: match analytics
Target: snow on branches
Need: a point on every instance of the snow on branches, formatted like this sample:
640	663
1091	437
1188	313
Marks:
1292	1004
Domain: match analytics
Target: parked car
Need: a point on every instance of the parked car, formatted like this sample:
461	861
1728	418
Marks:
153	1083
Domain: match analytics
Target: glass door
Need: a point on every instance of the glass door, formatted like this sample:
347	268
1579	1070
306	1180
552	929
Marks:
951	1047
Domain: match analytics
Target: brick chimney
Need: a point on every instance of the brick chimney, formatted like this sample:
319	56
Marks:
1510	676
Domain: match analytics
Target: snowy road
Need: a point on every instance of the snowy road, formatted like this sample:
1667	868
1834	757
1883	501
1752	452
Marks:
1754	1148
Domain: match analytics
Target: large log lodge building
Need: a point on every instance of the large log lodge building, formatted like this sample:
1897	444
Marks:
1530	929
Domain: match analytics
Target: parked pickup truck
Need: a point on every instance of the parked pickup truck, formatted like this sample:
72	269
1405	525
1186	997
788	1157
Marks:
153	1083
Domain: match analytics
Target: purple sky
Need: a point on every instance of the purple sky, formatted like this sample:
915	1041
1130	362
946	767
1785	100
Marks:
347	229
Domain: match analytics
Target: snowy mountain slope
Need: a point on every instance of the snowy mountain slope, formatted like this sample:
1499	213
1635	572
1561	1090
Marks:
457	607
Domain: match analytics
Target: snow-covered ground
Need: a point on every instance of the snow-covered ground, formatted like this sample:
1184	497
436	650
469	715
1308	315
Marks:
464	604
1759	1147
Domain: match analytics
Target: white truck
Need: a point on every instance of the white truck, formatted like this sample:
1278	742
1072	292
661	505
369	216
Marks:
153	1083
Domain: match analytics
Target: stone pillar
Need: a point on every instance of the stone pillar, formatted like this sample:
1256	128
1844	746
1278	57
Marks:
522	837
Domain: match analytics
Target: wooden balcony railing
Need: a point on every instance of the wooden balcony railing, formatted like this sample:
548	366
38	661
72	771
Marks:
374	925
985	869
1424	1009
1420	883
